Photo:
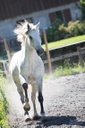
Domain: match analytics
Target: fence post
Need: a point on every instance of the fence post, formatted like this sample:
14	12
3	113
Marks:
7	50
80	56
47	52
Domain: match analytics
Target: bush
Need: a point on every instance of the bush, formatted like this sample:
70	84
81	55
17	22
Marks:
61	32
81	26
3	119
82	7
52	29
67	69
58	30
3	106
75	28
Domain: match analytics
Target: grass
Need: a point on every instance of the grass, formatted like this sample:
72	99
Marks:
63	71
65	42
3	106
66	69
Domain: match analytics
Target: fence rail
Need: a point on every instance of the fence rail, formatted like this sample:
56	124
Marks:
4	65
79	53
65	56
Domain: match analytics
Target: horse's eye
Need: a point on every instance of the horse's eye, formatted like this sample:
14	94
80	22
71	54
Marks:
27	32
30	37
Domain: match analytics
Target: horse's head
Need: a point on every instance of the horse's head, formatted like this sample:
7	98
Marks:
26	30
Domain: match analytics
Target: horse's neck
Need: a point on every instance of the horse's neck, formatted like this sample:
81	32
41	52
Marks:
28	52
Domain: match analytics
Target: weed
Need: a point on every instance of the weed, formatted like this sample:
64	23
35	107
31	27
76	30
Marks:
67	69
3	106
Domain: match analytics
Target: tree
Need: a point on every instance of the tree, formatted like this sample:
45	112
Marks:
82	1
83	8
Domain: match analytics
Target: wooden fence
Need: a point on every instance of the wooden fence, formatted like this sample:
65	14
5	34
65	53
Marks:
79	53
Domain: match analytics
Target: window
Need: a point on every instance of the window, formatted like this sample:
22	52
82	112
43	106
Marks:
59	15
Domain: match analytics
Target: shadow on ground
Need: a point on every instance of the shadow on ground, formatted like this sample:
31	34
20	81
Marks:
56	121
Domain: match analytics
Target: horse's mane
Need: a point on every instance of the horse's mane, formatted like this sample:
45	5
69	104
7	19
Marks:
20	30
21	27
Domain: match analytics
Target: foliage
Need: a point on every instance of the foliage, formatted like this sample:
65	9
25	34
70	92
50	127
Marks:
72	29
82	1
82	8
52	29
59	30
3	106
67	69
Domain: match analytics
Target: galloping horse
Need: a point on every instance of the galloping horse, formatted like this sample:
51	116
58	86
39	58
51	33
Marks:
27	67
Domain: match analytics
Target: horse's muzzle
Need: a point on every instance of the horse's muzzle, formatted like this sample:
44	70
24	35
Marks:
40	51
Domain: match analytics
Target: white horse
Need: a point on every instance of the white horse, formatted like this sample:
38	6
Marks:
26	65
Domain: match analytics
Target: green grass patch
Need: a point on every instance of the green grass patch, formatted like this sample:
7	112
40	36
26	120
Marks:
65	42
66	69
63	71
3	106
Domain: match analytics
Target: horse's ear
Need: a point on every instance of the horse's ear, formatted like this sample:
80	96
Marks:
20	21
38	25
28	28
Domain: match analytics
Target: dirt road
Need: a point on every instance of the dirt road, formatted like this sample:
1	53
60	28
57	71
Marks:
64	101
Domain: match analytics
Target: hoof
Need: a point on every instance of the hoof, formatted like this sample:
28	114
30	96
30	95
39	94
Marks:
26	107
27	118
36	117
43	117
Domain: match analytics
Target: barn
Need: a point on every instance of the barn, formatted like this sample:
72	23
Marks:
45	11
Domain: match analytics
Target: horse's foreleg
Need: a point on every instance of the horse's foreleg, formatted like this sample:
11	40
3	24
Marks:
33	97
25	87
26	106
19	89
40	97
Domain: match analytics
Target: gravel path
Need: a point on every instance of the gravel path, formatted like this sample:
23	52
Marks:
64	101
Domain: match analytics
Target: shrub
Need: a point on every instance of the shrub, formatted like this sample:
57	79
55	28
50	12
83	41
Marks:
58	30
73	28
52	29
3	106
67	69
82	7
81	26
61	32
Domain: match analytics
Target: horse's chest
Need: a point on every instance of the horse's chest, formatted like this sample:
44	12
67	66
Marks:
31	79
28	68
29	75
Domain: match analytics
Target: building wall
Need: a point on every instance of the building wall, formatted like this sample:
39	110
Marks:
13	8
45	17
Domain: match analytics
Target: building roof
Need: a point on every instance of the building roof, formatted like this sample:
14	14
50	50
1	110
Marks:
13	8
